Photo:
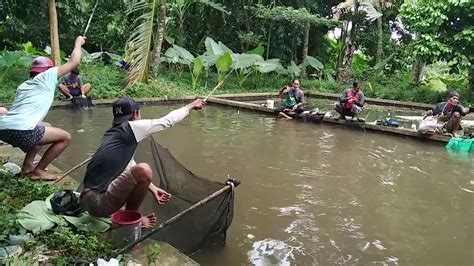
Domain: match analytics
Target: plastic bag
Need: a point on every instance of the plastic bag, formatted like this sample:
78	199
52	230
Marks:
428	124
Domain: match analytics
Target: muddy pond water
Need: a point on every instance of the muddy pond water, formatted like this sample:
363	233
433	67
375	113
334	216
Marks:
313	194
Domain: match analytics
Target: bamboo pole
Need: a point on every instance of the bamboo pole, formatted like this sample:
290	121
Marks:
90	18
231	184
72	169
217	86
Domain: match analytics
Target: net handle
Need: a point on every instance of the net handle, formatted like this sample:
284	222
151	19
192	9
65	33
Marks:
230	185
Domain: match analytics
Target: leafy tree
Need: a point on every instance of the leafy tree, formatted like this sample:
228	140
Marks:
298	18
444	31
179	8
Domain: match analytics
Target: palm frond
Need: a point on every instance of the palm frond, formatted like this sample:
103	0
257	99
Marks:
139	44
216	6
346	5
368	7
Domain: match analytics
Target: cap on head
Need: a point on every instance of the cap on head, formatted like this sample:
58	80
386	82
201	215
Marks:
123	109
452	94
41	64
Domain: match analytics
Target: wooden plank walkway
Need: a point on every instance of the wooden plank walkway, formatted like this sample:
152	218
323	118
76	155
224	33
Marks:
356	125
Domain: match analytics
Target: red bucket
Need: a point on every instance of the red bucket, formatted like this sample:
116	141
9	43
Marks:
127	226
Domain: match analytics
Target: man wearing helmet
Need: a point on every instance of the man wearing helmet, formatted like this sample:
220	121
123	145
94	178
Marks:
22	125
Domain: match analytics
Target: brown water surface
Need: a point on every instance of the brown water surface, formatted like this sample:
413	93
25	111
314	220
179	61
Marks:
314	194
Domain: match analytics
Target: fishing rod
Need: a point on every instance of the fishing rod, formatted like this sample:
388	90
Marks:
230	185
90	18
72	169
217	86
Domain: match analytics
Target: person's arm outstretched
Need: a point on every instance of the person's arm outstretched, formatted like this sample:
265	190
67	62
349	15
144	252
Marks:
75	58
145	127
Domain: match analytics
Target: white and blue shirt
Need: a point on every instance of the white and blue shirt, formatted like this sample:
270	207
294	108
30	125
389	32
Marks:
32	102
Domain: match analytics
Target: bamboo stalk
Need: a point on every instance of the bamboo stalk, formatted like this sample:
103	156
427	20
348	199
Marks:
230	185
72	169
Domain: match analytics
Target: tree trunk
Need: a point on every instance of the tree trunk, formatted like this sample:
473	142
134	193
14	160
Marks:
269	40
471	76
305	45
351	45
417	74
53	30
348	50
160	34
378	55
343	41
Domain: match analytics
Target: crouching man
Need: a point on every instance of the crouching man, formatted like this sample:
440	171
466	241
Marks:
351	102
113	179
449	115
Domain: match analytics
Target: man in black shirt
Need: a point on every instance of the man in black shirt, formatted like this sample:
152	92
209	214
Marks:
449	115
113	179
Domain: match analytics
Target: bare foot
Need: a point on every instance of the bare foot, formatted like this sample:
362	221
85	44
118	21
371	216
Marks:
27	169
149	221
42	175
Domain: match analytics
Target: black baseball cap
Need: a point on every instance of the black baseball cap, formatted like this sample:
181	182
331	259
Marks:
123	109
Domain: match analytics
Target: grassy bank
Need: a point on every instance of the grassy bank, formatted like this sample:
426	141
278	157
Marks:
107	83
61	244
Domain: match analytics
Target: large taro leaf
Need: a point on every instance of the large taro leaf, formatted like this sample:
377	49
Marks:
184	54
209	60
85	222
242	61
178	55
268	66
314	63
213	48
224	62
259	50
294	70
171	56
37	217
225	48
197	66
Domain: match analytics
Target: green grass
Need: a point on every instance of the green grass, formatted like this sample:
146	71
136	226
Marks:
64	243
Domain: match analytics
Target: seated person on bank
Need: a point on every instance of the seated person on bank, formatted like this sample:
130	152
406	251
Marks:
113	179
449	115
351	102
72	85
293	100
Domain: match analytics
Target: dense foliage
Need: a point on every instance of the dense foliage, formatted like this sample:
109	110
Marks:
385	43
